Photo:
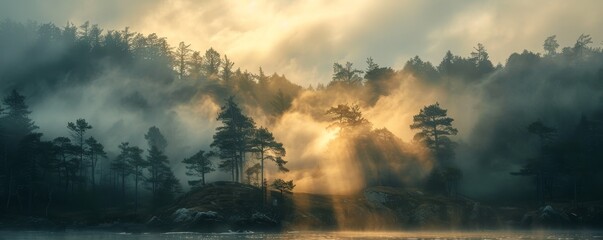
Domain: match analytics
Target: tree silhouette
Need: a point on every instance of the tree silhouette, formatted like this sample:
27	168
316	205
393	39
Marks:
251	171
583	42
283	186
136	165
227	66
434	127
232	138
281	103
346	74
155	138
182	57
347	117
211	63
78	133
550	45
446	65
422	70
482	60
199	165
540	167
95	150
17	129
120	165
163	183
168	187
378	80
196	65
266	147
65	151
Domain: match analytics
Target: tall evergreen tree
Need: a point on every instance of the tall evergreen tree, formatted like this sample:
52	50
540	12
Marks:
550	45
227	66
232	138
541	166
434	127
482	60
346	74
162	182
211	63
423	70
136	164
78	133
155	138
65	152
195	65
347	118
17	128
182	58
95	151
168	188
266	147
121	167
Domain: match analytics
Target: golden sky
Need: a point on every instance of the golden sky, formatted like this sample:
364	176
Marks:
302	39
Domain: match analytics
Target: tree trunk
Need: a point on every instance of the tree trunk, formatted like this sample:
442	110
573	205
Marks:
31	186
436	143
92	167
576	190
66	171
123	187
262	171
30	198
240	167
10	188
81	163
136	192
232	168
49	201
262	166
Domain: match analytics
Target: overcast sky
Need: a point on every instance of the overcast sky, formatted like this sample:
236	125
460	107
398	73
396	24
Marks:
302	39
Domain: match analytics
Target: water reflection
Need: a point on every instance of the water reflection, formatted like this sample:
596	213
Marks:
528	235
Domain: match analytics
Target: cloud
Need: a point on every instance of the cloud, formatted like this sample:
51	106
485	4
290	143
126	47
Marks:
302	39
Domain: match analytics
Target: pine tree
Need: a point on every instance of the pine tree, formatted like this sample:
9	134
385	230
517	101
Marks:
162	182
121	167
182	57
95	150
136	164
434	127
78	133
283	186
155	138
232	138
17	127
265	147
65	151
199	165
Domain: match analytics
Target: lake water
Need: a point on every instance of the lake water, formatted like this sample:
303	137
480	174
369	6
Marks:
78	235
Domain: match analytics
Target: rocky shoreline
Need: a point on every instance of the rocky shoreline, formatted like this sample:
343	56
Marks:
223	207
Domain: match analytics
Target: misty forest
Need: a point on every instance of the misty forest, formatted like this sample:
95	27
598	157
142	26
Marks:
102	126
